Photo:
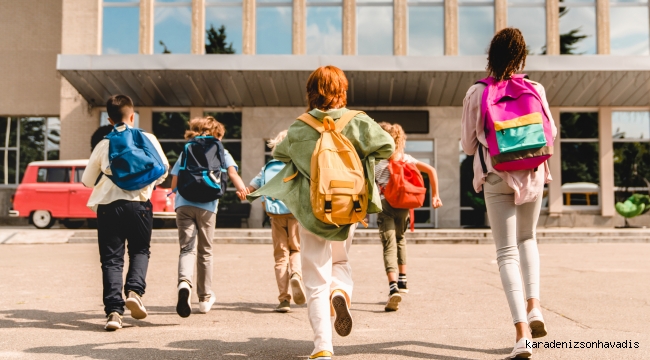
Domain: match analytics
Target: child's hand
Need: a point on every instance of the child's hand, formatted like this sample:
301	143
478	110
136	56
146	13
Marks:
241	195
436	202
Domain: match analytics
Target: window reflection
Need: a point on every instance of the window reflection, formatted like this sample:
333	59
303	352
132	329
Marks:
475	28
426	29
631	125
273	28
230	17
580	159
374	29
172	27
577	27
324	30
532	23
629	28
120	27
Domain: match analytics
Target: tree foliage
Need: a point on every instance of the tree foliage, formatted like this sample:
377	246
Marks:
216	43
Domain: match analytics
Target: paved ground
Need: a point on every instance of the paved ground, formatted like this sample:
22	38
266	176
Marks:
51	308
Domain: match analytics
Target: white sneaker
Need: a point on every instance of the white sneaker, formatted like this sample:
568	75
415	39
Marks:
297	289
206	306
523	349
184	306
536	323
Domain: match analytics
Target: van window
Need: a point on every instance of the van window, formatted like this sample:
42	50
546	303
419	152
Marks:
78	173
54	174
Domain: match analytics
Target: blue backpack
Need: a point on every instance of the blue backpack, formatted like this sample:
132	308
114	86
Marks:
134	161
273	206
203	176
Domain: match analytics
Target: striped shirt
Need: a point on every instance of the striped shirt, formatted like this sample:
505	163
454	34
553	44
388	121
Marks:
382	174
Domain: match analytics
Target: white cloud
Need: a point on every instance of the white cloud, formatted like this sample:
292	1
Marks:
375	30
324	34
181	15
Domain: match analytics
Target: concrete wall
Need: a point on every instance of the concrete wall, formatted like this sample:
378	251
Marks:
81	35
30	41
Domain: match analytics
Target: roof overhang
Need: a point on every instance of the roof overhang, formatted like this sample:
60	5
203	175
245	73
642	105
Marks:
279	80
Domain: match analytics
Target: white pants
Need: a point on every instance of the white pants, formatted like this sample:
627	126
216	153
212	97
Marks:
325	268
513	230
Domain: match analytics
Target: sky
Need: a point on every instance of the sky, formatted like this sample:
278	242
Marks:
172	25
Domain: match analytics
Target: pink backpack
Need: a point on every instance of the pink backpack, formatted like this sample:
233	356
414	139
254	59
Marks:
517	129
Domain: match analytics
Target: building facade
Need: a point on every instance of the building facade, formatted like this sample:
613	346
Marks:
407	61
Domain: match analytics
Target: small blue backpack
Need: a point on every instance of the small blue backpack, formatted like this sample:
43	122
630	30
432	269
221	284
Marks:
134	161
273	206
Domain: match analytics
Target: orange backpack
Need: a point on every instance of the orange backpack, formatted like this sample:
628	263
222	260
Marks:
405	188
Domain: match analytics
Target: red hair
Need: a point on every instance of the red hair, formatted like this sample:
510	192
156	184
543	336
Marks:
327	88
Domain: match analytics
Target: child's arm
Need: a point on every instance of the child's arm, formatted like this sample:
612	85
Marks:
237	181
94	167
433	180
174	182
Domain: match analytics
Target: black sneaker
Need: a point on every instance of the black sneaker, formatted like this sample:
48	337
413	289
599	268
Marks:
401	285
184	306
393	302
113	322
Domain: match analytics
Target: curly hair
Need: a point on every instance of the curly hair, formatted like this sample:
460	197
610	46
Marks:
205	126
327	88
272	143
507	54
397	133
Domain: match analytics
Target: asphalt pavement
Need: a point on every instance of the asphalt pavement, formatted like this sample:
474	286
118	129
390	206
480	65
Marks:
51	308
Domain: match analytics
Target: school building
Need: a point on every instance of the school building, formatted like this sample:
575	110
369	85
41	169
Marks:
247	61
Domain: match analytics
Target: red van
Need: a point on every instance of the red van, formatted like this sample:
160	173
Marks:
52	190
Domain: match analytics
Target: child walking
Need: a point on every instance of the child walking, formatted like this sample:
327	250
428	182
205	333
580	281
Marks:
392	221
325	246
285	234
123	214
196	218
513	195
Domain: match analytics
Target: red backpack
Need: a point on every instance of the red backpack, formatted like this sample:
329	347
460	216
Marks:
405	188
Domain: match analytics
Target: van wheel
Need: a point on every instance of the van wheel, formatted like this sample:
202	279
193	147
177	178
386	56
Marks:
42	219
73	224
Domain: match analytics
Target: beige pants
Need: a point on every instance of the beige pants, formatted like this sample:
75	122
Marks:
286	251
325	268
195	232
513	230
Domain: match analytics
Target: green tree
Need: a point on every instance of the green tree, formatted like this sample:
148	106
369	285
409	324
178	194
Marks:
165	49
216	43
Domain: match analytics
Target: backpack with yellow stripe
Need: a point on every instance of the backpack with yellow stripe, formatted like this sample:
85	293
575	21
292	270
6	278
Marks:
338	185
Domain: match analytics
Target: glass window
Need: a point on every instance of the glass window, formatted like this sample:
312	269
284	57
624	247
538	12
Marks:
530	18
172	27
580	159
54	174
577	27
324	29
374	27
631	136
426	32
78	174
273	29
29	139
226	15
629	27
475	26
169	128
120	27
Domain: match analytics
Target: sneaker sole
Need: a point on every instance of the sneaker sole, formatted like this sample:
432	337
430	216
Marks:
297	292
183	308
393	303
343	322
137	312
525	355
282	310
112	326
538	329
403	291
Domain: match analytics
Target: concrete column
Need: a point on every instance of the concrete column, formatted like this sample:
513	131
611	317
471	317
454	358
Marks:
552	27
299	28
198	27
349	27
602	27
248	27
555	200
80	34
196	112
500	15
146	27
146	118
400	27
606	153
445	130
451	27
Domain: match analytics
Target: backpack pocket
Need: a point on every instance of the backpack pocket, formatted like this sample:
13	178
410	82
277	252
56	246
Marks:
522	133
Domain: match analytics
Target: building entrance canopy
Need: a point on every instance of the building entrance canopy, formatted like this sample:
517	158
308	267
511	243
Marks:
279	80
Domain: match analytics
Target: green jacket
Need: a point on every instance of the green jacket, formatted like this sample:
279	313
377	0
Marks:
369	139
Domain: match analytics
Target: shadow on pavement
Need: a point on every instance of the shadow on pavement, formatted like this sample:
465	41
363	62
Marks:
84	321
259	348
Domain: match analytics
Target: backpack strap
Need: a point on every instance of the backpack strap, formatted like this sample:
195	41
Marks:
311	121
346	118
480	155
320	126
